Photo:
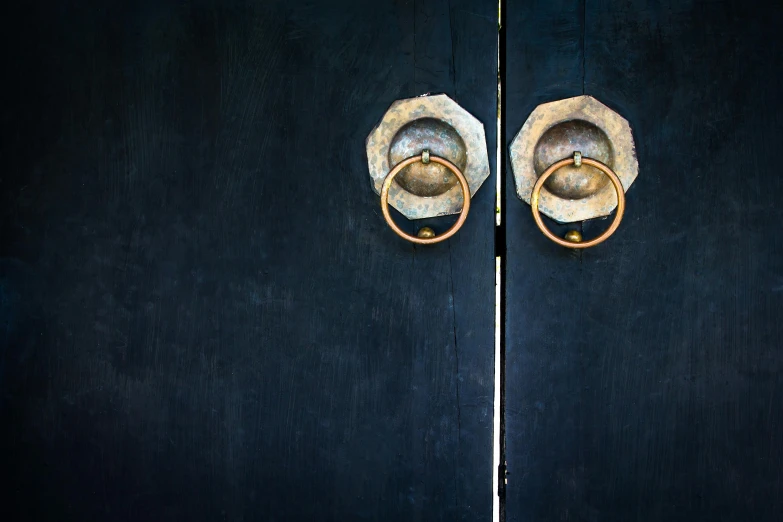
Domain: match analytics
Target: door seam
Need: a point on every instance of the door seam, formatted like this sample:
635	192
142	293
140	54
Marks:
499	454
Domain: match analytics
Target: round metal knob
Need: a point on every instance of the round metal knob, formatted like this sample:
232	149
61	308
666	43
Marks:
441	139
559	141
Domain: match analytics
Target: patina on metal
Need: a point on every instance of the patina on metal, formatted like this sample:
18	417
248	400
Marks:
434	123
425	236
573	238
560	141
553	132
425	178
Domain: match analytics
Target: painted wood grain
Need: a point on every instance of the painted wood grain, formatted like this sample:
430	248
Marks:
644	378
204	314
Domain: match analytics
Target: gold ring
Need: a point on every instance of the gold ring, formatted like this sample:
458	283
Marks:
465	196
618	187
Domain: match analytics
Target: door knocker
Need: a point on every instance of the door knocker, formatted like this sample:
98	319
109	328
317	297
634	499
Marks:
427	157
573	160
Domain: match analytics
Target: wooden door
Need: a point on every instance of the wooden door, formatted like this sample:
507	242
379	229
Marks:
204	315
644	377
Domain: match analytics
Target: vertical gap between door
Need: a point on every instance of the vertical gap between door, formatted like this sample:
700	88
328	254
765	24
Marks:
584	76
584	50
498	454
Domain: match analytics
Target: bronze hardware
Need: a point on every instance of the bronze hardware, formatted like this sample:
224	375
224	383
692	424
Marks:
573	238
412	133
426	235
554	131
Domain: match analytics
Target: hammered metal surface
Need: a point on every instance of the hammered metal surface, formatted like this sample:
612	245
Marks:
430	178
589	197
560	141
394	137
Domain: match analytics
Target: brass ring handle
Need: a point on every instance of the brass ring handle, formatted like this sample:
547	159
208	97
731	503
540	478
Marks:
425	157
577	160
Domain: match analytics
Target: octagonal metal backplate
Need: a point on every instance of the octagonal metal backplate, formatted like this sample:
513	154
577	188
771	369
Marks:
399	117
623	157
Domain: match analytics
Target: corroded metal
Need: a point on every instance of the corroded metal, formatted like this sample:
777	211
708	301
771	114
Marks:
560	141
553	132
426	235
425	178
438	124
569	241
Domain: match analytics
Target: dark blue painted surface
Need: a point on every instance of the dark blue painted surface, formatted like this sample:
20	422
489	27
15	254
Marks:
209	319
644	376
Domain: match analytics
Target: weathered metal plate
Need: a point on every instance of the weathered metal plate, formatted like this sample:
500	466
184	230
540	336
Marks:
469	150
600	199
